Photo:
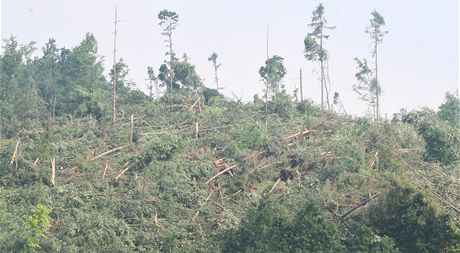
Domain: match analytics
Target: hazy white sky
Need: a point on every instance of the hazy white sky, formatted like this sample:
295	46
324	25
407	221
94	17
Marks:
418	58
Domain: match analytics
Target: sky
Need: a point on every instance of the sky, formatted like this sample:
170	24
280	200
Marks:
418	58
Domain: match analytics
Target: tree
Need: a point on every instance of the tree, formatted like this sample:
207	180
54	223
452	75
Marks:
376	33
48	75
367	85
169	21
450	109
84	88
19	100
39	225
272	74
314	47
213	59
416	225
184	76
153	82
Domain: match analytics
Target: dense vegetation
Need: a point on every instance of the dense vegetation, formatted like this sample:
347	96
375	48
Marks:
193	171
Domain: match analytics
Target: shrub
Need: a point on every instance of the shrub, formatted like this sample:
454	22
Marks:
413	222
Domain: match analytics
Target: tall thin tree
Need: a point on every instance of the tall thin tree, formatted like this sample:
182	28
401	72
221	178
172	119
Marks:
114	79
376	33
314	46
213	59
169	20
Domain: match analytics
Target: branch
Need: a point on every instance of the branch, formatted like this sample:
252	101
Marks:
359	206
222	172
15	153
274	186
121	173
107	153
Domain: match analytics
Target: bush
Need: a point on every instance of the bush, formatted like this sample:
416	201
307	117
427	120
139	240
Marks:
413	222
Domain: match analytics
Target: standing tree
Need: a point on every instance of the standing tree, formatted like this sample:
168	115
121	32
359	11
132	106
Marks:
48	68
314	47
169	21
213	59
272	74
367	87
114	69
376	34
153	82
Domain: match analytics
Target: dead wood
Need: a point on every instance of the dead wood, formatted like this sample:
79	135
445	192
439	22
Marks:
14	157
107	153
222	172
274	186
363	204
53	171
121	173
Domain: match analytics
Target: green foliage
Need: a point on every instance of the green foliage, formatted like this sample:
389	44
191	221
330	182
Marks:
442	139
450	110
413	222
443	143
272	73
250	135
367	87
39	225
184	76
271	227
56	106
313	43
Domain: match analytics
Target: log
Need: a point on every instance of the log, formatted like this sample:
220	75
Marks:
105	169
36	160
131	129
53	171
274	186
191	107
359	206
222	172
196	215
107	153
121	173
302	133
14	157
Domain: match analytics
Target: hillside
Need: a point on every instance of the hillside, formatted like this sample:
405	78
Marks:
301	178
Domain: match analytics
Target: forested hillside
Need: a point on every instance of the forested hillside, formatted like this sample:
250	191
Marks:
185	169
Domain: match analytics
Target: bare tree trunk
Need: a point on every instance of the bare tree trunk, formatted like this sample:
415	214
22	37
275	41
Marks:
131	129
321	61
171	59
377	89
114	81
268	85
53	106
301	92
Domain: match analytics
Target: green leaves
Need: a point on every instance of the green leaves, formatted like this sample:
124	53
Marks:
39	225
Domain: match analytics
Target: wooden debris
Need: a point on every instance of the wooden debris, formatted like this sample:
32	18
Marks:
196	215
194	104
53	171
363	204
221	165
14	157
329	154
131	129
302	133
157	221
36	160
222	172
375	161
121	173
107	153
105	169
274	186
